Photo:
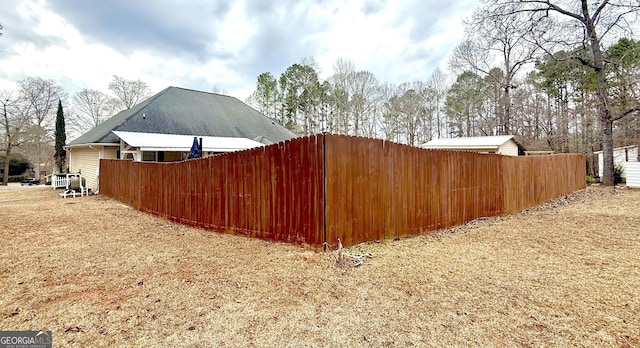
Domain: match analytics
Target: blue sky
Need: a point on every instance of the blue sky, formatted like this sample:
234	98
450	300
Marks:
201	43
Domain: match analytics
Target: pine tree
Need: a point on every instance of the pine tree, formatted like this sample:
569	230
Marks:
61	139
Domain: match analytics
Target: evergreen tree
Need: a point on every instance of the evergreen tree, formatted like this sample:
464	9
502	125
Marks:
61	139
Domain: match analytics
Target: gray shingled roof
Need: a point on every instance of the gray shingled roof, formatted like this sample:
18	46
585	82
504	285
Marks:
184	111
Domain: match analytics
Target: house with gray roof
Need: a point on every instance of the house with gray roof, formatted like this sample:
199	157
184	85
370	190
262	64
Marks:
162	128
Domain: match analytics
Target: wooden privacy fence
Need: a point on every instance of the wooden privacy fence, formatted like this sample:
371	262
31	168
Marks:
320	188
272	193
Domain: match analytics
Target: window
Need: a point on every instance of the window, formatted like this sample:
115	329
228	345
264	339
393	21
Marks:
148	156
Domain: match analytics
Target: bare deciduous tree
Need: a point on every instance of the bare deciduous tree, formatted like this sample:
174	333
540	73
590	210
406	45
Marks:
587	26
341	85
13	121
90	108
218	89
438	81
498	43
129	92
364	96
41	98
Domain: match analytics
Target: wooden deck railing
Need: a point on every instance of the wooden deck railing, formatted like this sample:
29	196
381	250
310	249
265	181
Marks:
62	180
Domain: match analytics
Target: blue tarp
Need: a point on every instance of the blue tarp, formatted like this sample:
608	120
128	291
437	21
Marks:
195	149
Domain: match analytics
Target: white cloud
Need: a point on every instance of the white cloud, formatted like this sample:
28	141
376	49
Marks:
224	44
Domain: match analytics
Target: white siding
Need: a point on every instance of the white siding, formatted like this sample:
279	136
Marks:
600	165
111	152
633	154
620	156
510	148
86	160
633	174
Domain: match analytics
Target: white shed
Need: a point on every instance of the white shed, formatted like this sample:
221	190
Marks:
633	174
498	144
621	155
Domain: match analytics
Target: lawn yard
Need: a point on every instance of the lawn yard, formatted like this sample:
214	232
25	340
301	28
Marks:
98	273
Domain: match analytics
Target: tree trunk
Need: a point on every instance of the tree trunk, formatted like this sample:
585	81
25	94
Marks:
37	164
438	116
506	115
564	122
607	151
5	176
606	120
468	131
607	129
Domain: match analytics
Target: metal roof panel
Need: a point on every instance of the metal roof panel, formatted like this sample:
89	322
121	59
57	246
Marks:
183	142
468	142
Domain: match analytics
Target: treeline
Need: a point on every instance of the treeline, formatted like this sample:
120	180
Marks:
27	119
560	75
353	101
552	107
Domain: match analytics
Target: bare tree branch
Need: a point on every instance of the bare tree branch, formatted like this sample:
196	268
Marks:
597	12
90	108
627	112
607	17
130	92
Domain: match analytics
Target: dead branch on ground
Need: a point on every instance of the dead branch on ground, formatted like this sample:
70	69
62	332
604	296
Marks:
345	259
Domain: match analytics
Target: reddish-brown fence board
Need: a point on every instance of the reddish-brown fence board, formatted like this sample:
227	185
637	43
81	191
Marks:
329	187
392	190
273	193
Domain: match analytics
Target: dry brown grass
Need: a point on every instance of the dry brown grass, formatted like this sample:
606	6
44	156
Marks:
98	273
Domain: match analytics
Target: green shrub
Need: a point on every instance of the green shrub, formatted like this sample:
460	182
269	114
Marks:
591	180
617	174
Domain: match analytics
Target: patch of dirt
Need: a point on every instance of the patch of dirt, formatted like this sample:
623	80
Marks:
98	273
